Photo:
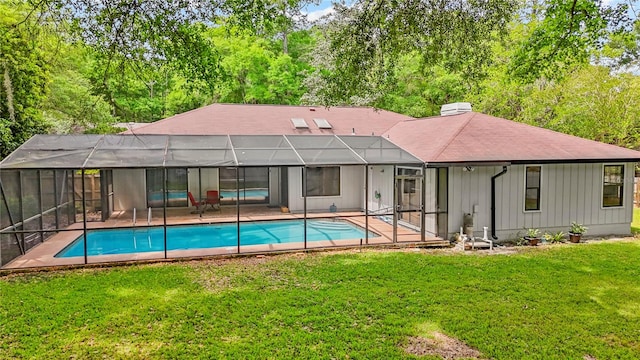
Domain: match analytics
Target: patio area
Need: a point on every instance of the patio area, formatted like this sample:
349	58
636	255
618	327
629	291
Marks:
42	255
56	187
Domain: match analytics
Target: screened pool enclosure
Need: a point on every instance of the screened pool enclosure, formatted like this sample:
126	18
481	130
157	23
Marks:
57	190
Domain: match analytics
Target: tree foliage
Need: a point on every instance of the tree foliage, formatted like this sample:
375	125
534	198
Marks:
23	70
366	40
254	71
421	90
565	36
593	103
82	65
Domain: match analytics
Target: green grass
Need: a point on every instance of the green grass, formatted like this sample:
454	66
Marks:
555	302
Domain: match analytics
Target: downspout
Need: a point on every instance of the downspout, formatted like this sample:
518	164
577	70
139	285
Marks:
493	201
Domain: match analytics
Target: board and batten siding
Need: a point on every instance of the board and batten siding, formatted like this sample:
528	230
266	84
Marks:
568	192
351	192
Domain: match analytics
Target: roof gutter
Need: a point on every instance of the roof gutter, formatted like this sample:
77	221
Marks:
493	201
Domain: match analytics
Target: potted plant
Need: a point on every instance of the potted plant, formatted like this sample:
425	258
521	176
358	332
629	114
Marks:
532	237
554	238
576	231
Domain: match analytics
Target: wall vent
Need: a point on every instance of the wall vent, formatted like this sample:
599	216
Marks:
455	108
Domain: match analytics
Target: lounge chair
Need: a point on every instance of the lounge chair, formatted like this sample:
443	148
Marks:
200	205
213	199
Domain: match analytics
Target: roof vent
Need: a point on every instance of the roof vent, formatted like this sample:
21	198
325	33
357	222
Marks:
299	123
322	123
455	108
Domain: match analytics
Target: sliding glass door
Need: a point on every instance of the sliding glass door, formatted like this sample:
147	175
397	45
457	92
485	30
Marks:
176	188
249	186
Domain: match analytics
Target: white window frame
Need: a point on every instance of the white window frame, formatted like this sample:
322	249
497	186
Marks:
305	178
540	187
624	174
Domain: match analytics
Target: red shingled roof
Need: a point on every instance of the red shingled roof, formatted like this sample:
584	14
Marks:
474	137
237	119
465	138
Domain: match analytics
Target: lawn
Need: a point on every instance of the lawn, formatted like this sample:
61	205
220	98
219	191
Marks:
553	302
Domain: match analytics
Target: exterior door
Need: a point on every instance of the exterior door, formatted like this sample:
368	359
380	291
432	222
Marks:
244	185
409	198
176	192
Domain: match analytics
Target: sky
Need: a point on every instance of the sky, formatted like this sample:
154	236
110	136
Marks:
324	7
317	11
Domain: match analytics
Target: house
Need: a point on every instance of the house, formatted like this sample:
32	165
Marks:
422	174
551	178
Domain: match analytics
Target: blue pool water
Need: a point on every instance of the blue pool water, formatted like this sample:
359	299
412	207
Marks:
128	241
171	195
247	193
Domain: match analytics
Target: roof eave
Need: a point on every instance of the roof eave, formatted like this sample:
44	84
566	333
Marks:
436	164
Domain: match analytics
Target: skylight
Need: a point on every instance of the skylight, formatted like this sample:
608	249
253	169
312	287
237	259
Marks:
322	124
299	123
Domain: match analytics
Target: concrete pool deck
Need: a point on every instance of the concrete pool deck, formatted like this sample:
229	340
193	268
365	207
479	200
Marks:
42	255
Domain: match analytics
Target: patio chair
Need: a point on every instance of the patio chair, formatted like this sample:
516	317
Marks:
213	199
200	205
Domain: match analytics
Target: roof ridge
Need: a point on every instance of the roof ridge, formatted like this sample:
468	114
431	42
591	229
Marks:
161	121
444	147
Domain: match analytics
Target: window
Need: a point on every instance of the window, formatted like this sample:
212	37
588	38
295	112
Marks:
532	188
613	185
323	181
176	192
409	186
252	183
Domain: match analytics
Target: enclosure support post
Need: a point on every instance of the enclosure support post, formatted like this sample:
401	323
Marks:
73	196
423	221
84	218
366	204
13	224
40	206
21	203
395	205
304	196
165	188
200	189
238	205
55	198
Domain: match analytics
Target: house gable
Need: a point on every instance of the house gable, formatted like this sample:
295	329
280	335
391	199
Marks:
478	138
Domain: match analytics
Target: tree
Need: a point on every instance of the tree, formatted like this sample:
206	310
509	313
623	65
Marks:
361	46
420	91
267	18
24	73
622	50
253	71
592	103
565	37
284	79
70	104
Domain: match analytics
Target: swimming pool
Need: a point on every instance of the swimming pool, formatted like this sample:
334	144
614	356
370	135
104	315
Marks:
245	193
129	241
